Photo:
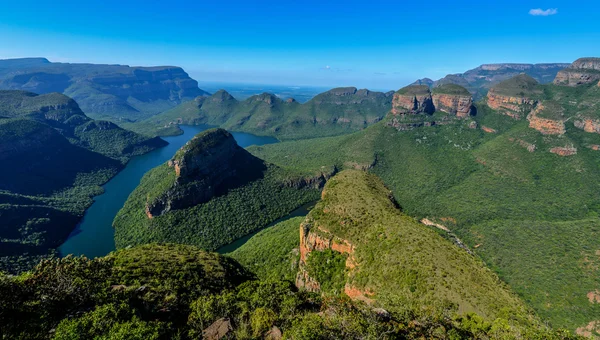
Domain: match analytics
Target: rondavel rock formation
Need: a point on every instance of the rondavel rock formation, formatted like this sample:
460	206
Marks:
209	163
414	102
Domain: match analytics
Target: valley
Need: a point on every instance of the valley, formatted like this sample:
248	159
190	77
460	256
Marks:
473	209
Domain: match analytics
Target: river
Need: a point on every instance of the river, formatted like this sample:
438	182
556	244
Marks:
94	235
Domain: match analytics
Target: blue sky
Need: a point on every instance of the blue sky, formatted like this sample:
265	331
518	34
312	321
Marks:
367	43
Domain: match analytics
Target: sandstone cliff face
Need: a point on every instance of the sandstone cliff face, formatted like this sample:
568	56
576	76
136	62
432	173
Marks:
314	238
545	125
582	71
413	99
208	163
458	105
512	106
588	125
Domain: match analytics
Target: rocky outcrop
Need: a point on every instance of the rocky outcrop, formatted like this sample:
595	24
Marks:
313	238
546	126
209	163
413	99
564	151
512	106
457	105
488	129
588	125
582	71
317	181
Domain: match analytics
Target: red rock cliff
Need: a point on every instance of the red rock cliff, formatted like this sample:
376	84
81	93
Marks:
457	105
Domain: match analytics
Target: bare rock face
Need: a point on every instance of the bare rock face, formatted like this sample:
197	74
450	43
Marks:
564	151
588	125
454	100
218	330
413	99
544	125
508	105
210	162
459	106
582	71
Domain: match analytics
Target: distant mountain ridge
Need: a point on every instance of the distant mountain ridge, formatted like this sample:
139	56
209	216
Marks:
114	92
479	80
337	111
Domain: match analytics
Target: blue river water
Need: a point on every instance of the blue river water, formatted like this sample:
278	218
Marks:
94	235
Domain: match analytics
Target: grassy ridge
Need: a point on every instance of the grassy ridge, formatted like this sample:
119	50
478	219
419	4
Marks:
175	291
272	253
474	180
210	225
331	113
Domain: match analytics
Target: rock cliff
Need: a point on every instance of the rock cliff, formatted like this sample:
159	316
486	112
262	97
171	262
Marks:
454	100
358	226
115	91
208	164
514	97
539	120
582	71
413	99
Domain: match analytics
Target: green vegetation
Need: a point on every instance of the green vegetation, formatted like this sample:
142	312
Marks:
328	267
273	252
407	265
53	161
331	113
221	220
519	86
114	92
414	90
475	182
174	291
452	89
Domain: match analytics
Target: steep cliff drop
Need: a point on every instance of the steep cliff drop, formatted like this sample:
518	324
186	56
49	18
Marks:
414	106
207	165
582	71
357	241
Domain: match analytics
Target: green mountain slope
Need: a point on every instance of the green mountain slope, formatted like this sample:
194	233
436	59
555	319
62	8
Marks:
338	111
491	182
113	92
209	194
53	160
175	291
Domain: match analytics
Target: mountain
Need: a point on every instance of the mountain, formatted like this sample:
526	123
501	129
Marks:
334	112
53	159
159	291
114	92
517	182
211	193
480	79
582	71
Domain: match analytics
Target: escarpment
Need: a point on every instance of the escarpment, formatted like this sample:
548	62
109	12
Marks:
414	105
208	164
454	100
357	241
582	71
547	118
413	99
514	97
115	91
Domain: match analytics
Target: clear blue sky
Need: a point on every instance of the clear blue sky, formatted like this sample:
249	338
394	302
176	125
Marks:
367	43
